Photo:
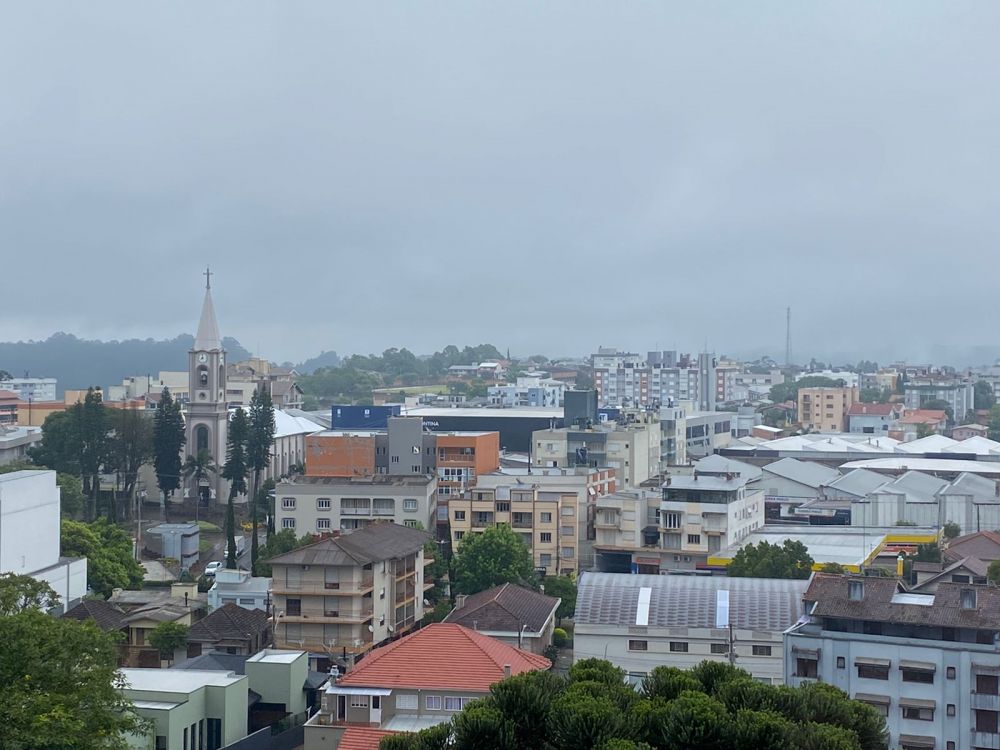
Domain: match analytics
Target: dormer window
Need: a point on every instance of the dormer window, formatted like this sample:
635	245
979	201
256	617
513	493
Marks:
968	598
855	590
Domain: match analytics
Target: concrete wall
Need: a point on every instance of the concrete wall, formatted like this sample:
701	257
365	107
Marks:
278	680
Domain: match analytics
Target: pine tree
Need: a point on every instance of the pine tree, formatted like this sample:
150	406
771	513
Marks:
259	445
168	442
235	471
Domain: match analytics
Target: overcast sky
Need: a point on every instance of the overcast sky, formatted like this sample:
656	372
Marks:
548	176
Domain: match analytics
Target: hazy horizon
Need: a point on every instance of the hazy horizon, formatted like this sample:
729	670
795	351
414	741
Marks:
544	177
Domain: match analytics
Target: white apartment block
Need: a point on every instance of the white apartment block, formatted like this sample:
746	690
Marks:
31	389
928	662
319	505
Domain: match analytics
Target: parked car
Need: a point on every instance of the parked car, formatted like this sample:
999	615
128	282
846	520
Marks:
212	567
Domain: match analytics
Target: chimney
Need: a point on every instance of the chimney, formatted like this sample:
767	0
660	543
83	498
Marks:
506	670
460	601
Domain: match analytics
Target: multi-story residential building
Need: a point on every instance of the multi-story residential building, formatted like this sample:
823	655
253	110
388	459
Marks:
825	409
639	622
320	505
241	588
528	391
405	449
928	662
631	448
673	435
8	409
959	393
419	681
873	419
30	522
15	442
680	527
547	522
344	595
628	379
31	389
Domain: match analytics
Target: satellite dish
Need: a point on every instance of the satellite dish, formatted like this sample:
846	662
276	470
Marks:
390	628
371	628
426	603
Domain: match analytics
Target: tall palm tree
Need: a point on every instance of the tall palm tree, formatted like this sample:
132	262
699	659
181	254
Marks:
199	467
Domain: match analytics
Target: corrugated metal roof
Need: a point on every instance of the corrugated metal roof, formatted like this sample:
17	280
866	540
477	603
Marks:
809	473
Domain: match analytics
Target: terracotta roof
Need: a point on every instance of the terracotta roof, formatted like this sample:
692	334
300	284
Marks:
361	738
505	609
377	541
5	394
860	409
924	416
229	623
880	604
106	615
443	656
984	545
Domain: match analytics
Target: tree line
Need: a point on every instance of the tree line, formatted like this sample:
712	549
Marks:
713	706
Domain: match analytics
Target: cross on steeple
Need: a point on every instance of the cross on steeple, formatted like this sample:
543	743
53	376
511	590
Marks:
208	278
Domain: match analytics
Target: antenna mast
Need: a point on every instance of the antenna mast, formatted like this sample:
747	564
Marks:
788	337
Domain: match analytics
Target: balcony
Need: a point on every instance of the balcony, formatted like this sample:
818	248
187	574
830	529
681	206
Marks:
355	511
523	523
329	588
989	740
342	617
986	701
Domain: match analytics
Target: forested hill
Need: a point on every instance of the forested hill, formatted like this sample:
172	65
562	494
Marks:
79	363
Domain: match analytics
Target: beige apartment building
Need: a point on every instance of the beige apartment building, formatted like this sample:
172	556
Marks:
344	595
825	409
545	521
320	505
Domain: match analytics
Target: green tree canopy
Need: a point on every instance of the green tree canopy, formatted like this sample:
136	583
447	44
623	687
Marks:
167	637
61	682
495	556
235	471
789	390
790	559
993	572
939	404
983	396
108	549
19	593
951	530
563	588
168	442
260	442
712	707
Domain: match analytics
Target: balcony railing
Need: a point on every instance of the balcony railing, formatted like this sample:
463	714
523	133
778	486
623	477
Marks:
989	740
522	524
330	588
986	701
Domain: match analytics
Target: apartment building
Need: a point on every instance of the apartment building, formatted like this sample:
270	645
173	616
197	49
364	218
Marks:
825	409
587	484
631	448
640	622
528	391
707	431
31	389
404	448
673	435
320	505
678	528
344	595
872	419
546	521
629	379
927	662
959	393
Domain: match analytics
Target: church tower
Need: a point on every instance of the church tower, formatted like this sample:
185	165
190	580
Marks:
207	415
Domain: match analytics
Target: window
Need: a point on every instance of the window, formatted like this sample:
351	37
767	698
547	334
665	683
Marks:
841	662
546	517
293	632
459	515
322	503
545	537
672	520
545	560
638	646
720	648
288	503
925	676
566	531
409	504
161	742
567	511
322	524
452	703
694	538
395	459
359	701
432	702
761	650
293	607
855	590
808	668
288	523
459	535
921	713
406	701
873	671
679	647
503	507
568	552
950	710
411	522
950	673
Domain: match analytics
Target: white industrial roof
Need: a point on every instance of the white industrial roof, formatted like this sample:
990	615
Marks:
858	482
809	473
285	424
902	463
623	600
916	486
977	444
716	463
509	412
929	444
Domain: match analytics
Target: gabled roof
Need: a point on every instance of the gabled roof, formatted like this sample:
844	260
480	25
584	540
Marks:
236	663
442	656
858	482
361	738
916	486
106	615
229	623
972	565
862	409
984	545
505	609
377	541
980	488
809	473
924	416
716	464
977	444
929	444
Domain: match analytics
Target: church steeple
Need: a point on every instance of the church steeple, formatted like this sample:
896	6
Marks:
208	338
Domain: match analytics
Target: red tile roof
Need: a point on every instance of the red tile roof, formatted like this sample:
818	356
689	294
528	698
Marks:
924	416
361	738
860	409
443	656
